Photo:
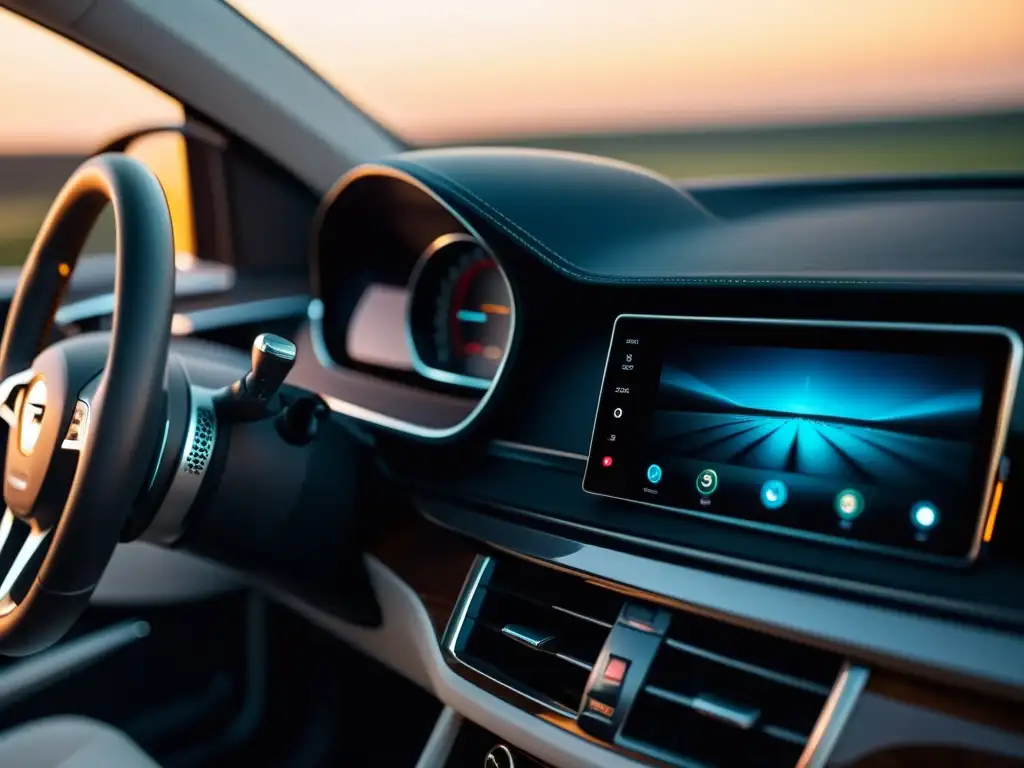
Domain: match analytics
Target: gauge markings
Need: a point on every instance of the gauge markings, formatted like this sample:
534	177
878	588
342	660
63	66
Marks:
471	316
460	313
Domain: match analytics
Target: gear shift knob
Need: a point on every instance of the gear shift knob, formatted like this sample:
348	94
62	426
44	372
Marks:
272	360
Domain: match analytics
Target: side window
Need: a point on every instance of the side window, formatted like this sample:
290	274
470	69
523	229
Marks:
59	102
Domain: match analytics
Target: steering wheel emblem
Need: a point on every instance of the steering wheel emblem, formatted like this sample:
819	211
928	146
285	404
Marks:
30	416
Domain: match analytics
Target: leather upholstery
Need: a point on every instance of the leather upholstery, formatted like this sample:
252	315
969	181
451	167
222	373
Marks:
70	742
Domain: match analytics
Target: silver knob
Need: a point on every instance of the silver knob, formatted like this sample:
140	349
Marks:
272	360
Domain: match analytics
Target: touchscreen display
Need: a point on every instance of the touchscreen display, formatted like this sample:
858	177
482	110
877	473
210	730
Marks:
886	437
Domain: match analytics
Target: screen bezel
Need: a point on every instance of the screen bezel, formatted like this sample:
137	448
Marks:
1004	407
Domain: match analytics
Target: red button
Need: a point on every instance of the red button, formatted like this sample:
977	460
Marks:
606	461
615	671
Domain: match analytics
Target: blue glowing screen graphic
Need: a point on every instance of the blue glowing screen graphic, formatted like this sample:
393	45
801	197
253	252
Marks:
875	418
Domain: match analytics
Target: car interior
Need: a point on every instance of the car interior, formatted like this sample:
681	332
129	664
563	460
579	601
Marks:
486	454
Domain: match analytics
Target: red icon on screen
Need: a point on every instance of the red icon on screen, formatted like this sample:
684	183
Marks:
606	461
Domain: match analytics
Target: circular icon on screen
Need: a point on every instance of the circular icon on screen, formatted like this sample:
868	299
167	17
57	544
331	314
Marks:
707	482
924	515
617	413
774	494
654	474
849	504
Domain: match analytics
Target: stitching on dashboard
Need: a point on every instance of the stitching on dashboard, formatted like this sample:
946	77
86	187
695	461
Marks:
529	241
489	212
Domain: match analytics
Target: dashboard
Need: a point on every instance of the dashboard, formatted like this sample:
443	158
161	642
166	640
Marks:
789	406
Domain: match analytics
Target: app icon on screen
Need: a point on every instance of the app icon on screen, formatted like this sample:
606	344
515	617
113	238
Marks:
654	474
774	494
707	482
924	515
849	504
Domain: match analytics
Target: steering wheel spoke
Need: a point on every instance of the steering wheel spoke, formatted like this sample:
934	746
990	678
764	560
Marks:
10	388
25	551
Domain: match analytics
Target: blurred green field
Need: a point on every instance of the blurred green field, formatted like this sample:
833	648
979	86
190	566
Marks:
979	143
20	218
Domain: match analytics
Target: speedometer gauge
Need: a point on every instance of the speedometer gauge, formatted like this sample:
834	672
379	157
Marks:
460	313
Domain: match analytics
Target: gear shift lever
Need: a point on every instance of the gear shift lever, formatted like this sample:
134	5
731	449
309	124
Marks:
272	360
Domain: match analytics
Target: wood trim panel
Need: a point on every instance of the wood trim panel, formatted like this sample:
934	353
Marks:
432	560
967	705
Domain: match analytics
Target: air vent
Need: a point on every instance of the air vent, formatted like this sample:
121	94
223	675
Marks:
721	696
537	631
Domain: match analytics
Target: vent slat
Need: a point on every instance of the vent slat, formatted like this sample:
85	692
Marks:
552	606
783	735
757	649
726	695
540	632
768	674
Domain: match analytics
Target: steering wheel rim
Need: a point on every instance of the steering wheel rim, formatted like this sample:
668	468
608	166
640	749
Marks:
124	415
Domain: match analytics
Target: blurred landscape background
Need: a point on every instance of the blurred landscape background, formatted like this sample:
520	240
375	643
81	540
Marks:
692	90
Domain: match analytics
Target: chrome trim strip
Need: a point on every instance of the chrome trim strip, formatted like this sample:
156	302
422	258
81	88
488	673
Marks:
481	568
848	687
159	456
168	523
439	374
37	672
999	441
527	448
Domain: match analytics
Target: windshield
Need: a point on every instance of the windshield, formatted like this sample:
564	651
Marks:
709	88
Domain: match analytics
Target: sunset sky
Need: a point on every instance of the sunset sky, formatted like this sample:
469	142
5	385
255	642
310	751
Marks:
451	69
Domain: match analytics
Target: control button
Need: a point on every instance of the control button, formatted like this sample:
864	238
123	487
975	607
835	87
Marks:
646	618
774	494
639	616
654	474
614	671
924	515
849	504
606	461
707	482
600	708
617	413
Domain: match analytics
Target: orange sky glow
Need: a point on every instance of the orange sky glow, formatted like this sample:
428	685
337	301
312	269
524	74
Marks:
436	70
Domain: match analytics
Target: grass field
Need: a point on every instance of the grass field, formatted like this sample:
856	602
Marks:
979	143
938	145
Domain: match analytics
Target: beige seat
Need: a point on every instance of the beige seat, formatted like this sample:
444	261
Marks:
70	742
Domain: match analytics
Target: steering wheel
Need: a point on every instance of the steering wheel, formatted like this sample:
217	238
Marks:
84	416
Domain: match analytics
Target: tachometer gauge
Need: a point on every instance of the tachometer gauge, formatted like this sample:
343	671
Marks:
460	313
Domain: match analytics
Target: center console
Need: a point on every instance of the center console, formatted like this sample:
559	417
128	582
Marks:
647	678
